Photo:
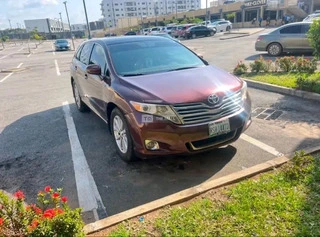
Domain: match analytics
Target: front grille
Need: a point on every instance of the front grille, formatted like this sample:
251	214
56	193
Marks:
200	112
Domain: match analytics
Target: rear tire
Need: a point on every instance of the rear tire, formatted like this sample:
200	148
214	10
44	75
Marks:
274	49
121	136
193	36
81	106
228	28
211	33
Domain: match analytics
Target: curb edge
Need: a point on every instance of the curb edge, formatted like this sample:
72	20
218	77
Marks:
189	193
283	90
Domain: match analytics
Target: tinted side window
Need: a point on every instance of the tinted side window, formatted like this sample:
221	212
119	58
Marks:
77	54
305	28
295	29
85	53
98	57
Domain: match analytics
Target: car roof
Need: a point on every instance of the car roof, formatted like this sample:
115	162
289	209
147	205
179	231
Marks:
124	39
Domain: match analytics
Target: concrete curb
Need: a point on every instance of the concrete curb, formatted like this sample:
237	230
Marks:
283	90
235	34
188	193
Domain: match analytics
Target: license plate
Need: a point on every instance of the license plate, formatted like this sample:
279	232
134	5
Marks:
216	128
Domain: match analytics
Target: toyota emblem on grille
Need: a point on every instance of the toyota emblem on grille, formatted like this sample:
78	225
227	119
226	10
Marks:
213	99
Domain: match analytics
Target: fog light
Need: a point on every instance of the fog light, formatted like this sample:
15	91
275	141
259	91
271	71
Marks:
151	145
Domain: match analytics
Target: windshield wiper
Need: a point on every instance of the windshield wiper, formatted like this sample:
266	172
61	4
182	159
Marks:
133	74
181	68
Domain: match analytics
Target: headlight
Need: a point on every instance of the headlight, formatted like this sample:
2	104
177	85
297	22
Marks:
164	111
244	91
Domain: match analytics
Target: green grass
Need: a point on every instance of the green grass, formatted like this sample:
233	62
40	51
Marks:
288	80
284	202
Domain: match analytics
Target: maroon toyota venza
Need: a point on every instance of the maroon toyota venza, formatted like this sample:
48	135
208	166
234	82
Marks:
158	97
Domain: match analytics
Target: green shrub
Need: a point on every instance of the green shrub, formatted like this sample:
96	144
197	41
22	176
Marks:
286	64
305	65
308	84
240	69
314	37
258	65
51	216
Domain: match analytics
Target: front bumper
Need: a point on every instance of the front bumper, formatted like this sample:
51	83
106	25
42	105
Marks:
176	139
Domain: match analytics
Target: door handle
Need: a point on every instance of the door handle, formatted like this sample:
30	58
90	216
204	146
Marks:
85	76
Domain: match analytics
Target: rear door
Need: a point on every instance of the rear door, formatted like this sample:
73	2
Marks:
291	37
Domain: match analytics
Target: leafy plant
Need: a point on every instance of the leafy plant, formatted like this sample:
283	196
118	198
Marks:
258	65
51	216
240	69
308	84
305	65
231	16
286	64
314	37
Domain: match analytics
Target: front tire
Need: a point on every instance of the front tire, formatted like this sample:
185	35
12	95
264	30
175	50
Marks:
81	106
121	136
193	36
274	49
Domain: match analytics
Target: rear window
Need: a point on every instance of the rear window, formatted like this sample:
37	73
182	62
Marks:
61	41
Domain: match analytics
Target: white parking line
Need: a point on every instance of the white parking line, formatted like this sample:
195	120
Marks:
6	55
10	74
20	49
261	145
6	77
53	50
29	55
57	67
88	194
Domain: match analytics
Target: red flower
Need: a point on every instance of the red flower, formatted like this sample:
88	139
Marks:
47	189
37	210
19	195
50	213
64	199
55	195
59	210
35	223
1	221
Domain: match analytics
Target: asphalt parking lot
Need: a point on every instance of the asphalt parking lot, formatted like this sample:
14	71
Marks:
35	126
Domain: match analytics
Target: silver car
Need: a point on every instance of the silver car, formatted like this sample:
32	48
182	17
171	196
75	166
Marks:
287	38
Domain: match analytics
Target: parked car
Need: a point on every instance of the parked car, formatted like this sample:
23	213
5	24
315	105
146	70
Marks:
196	31
130	33
167	29
155	30
146	31
158	97
221	26
313	16
287	38
175	31
110	34
61	44
182	30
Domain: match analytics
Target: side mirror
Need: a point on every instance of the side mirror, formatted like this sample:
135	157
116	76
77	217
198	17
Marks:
93	69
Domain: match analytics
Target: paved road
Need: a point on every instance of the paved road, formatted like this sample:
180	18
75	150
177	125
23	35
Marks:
35	149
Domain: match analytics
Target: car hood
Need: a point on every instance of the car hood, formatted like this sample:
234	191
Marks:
62	44
185	86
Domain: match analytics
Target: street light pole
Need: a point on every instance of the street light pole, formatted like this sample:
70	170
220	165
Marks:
206	12
85	12
10	24
65	5
61	22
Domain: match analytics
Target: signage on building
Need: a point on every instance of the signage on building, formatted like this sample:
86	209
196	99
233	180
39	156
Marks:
255	3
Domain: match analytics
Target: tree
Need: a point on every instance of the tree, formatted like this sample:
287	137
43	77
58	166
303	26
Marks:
4	39
34	34
231	16
314	37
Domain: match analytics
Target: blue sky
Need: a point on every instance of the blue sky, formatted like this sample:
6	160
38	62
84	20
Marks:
19	10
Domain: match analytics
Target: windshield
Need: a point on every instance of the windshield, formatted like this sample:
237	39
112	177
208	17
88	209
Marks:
61	41
148	57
